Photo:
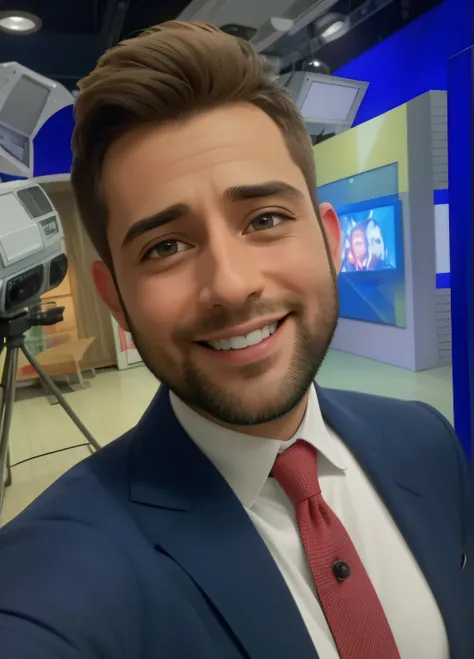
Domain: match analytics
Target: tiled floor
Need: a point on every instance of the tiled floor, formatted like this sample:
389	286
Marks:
115	401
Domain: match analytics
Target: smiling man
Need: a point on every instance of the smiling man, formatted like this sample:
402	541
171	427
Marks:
249	513
220	268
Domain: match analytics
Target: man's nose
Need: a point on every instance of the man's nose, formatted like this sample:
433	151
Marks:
230	272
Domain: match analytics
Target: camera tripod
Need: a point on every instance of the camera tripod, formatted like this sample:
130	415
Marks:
12	340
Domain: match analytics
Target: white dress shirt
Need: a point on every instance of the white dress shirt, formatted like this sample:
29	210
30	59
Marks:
246	461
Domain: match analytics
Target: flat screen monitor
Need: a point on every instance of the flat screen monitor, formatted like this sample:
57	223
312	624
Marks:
323	99
372	275
23	106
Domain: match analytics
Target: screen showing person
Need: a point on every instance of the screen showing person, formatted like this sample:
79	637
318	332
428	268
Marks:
369	240
372	278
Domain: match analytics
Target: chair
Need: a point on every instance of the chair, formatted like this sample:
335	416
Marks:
62	359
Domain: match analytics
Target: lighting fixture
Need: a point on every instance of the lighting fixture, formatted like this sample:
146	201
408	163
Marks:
316	66
333	29
332	26
282	24
19	22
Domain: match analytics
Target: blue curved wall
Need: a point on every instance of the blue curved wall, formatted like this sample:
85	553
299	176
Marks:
414	60
52	144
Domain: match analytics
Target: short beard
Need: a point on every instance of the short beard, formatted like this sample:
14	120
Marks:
199	392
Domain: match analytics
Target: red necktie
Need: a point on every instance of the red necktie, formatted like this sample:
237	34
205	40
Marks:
350	604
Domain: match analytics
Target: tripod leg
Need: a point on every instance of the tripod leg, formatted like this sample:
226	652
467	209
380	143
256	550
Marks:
4	382
46	380
8	480
8	398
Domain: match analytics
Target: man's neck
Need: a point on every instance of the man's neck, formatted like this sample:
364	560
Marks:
281	429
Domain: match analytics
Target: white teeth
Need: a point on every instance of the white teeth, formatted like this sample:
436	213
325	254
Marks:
255	337
240	342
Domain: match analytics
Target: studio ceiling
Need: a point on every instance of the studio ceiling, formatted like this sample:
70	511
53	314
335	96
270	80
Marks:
76	32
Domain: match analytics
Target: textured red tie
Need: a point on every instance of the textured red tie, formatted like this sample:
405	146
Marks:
350	604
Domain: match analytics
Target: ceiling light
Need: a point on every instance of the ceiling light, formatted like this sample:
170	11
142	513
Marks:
19	22
332	29
281	24
316	66
332	26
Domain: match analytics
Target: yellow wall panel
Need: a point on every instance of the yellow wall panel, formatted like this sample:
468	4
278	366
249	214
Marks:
378	142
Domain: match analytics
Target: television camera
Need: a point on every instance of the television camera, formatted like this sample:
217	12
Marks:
33	261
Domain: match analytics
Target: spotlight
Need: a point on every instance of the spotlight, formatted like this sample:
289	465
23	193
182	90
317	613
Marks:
282	24
19	22
332	30
332	26
316	66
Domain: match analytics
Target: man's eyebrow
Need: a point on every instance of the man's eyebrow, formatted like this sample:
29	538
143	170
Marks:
234	194
262	190
165	216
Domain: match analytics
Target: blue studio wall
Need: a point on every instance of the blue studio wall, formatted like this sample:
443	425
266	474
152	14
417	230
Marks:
414	60
436	52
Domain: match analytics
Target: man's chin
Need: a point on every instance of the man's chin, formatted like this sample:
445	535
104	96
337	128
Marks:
243	417
251	391
251	404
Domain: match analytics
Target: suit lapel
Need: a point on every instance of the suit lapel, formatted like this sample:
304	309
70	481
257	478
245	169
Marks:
413	504
187	510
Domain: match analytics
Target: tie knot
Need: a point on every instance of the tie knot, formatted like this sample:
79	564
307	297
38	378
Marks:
297	472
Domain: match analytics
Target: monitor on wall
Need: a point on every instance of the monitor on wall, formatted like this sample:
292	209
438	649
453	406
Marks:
27	101
372	274
326	102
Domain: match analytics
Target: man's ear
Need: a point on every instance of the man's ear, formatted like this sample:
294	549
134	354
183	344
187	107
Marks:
105	285
332	228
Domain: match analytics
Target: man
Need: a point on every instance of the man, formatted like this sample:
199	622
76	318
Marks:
367	247
375	242
359	247
248	514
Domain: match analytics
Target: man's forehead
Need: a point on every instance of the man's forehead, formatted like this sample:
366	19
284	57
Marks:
168	162
242	128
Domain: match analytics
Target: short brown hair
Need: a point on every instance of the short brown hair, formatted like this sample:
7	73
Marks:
170	72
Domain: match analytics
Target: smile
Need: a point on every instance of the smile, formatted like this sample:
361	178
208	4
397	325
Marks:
249	348
246	341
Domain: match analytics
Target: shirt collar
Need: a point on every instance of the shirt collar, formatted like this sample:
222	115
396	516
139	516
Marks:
246	461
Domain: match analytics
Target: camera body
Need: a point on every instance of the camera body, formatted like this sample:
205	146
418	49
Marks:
32	246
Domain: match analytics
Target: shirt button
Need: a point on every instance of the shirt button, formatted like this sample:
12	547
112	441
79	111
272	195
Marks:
341	570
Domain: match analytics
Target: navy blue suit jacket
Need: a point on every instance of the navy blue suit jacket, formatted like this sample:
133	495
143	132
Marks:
144	552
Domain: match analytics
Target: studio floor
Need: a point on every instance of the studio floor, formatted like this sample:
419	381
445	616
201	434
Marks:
115	400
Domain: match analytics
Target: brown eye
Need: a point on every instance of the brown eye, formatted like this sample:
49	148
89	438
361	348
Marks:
165	249
266	221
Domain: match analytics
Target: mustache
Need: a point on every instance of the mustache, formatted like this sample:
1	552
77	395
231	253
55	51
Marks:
225	318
